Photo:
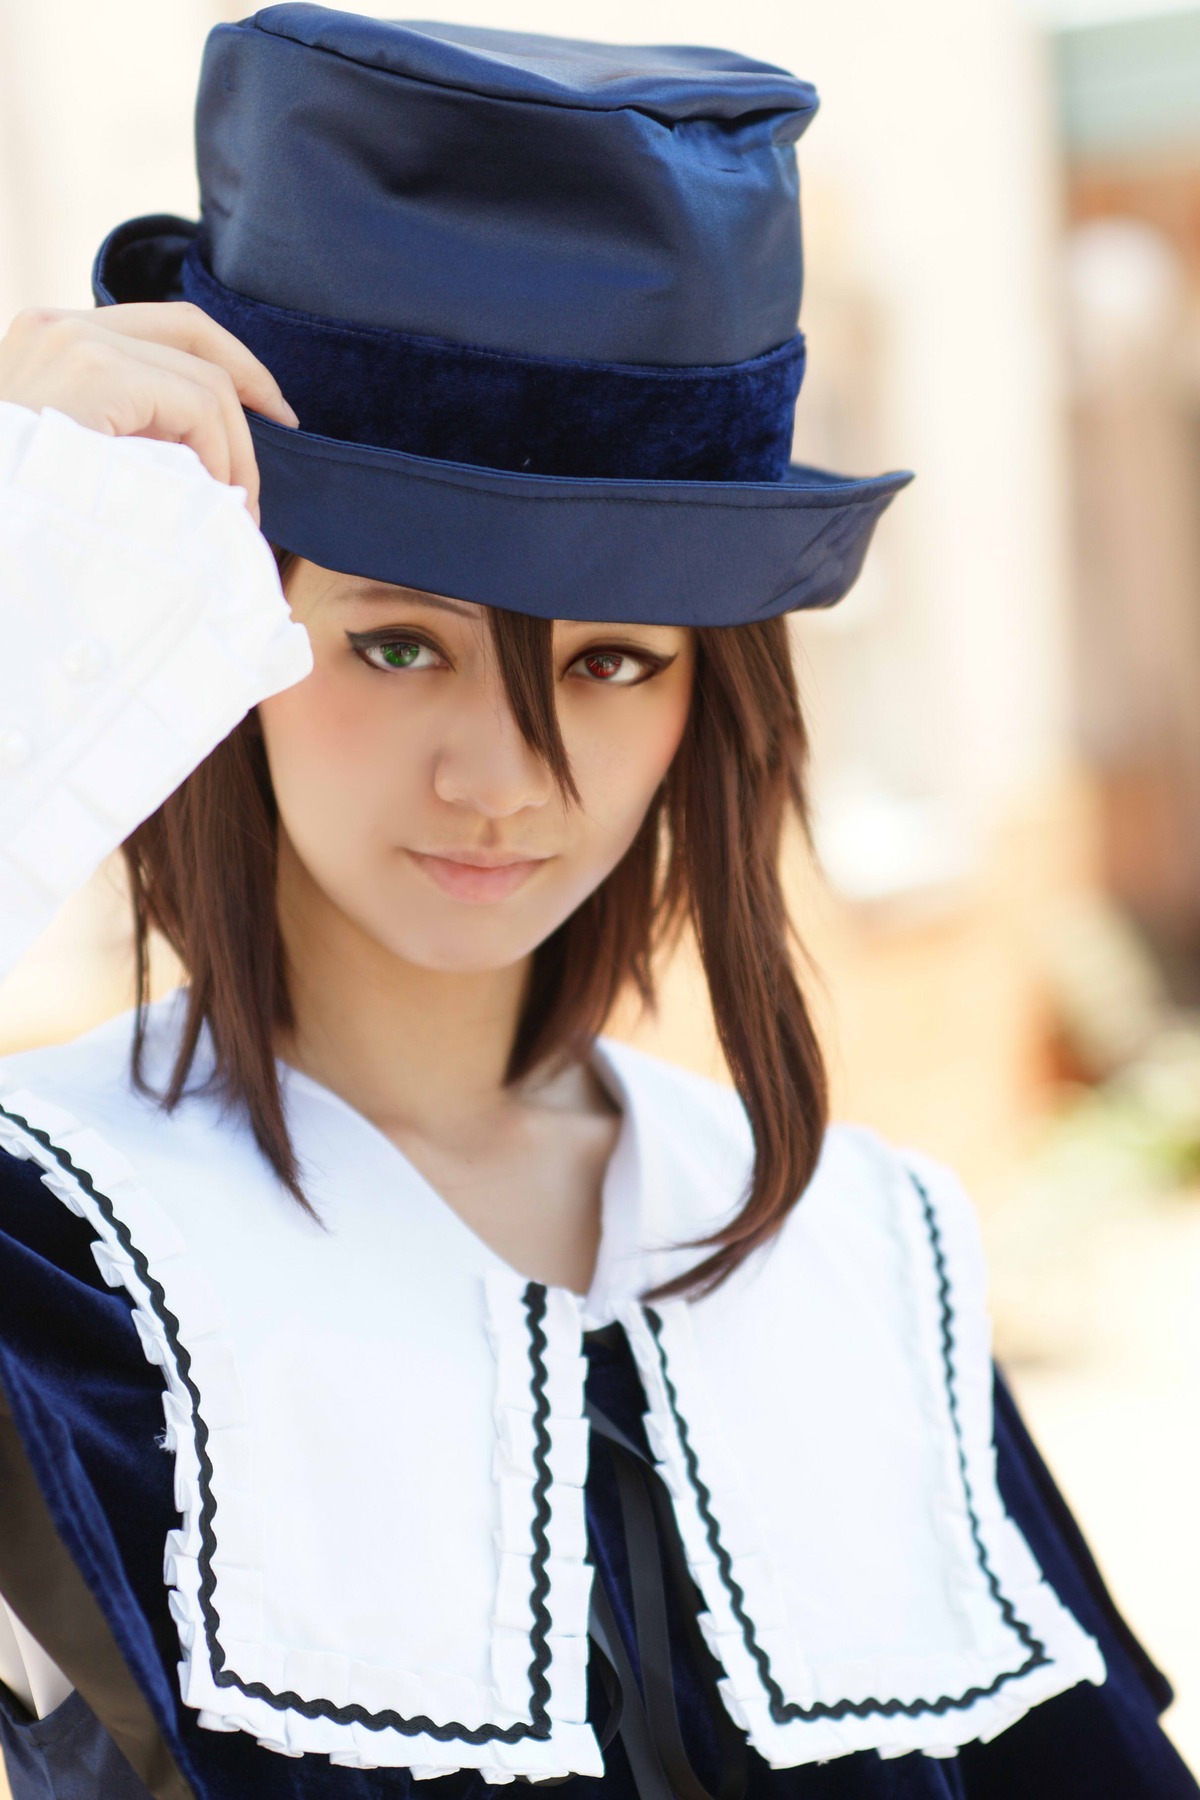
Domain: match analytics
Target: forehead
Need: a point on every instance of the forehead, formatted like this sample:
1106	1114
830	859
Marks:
386	593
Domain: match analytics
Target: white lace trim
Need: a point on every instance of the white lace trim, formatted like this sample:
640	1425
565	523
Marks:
874	1226
772	1678
201	1359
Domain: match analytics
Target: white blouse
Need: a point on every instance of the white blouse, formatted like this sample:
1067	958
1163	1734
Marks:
822	1422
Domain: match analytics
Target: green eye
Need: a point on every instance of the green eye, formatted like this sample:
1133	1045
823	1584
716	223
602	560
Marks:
385	652
399	656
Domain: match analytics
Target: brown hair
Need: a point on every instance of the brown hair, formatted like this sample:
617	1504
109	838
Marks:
202	871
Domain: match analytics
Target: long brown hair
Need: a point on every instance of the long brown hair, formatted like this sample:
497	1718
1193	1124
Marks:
202	872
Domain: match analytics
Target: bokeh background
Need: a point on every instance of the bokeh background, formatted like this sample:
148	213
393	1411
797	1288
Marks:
1002	204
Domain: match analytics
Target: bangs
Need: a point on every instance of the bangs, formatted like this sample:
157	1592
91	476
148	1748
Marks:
524	649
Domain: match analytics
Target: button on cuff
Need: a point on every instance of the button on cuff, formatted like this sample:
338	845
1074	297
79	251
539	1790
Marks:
84	660
16	750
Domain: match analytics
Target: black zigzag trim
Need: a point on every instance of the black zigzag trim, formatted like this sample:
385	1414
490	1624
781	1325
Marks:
538	1726
783	1710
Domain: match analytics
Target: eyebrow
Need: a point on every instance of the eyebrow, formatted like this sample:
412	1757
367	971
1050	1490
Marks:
402	596
464	609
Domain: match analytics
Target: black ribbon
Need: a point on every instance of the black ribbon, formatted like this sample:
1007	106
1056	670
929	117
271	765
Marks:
644	1714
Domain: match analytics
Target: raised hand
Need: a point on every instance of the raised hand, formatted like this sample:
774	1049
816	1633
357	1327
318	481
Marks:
160	370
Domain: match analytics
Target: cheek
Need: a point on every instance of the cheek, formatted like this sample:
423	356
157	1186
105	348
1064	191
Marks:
353	774
335	756
619	762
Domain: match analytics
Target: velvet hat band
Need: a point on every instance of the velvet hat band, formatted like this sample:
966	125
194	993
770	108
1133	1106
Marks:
538	415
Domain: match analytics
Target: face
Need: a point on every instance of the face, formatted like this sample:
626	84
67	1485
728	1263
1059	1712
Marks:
408	798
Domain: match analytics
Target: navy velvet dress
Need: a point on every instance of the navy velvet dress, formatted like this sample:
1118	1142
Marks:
88	1406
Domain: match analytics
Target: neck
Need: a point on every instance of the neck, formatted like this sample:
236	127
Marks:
413	1049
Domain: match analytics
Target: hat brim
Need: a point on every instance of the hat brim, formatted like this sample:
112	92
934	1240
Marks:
648	552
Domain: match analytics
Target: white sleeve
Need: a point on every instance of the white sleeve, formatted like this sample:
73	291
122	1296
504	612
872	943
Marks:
12	1663
25	1668
141	617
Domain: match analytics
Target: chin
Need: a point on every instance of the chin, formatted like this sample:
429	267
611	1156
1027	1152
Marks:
470	944
454	956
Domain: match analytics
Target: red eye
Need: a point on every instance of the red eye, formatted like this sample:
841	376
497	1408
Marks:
616	667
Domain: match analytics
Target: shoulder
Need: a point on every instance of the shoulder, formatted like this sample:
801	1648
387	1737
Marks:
864	1174
97	1058
654	1078
690	1141
44	1094
699	1116
72	1115
36	1230
696	1150
41	1092
92	1074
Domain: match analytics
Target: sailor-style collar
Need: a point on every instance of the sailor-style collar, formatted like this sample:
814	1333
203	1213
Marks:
380	1442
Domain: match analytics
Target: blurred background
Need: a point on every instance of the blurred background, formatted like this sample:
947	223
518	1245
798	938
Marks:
1002	213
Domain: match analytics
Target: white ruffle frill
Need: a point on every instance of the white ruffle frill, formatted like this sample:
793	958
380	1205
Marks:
380	1444
838	1648
510	1697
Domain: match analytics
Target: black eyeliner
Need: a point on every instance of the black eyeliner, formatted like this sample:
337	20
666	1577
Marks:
362	641
655	661
365	640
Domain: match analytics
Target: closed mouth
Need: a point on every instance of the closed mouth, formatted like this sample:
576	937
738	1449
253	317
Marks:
475	875
480	859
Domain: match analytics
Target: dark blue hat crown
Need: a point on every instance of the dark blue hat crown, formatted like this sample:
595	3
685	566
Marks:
521	253
517	193
522	292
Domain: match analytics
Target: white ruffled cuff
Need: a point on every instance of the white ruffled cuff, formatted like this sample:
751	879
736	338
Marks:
141	617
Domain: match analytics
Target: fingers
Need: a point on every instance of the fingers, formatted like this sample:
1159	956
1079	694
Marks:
182	326
215	382
162	370
176	410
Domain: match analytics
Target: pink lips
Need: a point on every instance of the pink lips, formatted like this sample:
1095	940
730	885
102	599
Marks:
471	875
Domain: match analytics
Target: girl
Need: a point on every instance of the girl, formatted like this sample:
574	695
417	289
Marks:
399	1381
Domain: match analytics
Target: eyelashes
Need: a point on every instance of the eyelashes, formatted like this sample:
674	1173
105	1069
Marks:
602	665
389	652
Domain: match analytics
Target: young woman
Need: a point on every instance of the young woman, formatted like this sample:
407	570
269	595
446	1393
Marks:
399	1381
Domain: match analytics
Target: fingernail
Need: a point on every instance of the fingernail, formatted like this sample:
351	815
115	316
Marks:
293	417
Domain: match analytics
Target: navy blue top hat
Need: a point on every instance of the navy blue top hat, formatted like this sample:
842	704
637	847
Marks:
535	304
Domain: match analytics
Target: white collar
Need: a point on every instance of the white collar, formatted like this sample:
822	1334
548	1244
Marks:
618	1260
380	1446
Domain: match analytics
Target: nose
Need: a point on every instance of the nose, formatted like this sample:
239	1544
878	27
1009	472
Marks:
483	763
